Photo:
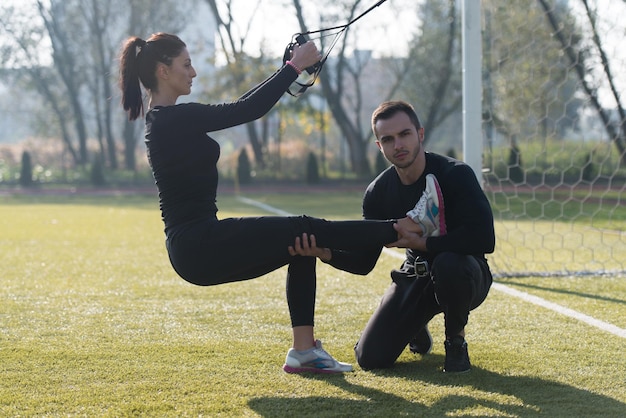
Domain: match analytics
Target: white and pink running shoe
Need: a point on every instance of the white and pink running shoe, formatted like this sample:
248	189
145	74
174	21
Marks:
429	213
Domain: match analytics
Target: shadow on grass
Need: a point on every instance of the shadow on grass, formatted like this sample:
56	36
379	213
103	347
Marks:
495	395
562	291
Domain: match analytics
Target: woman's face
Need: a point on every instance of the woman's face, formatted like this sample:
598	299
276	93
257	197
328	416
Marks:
179	74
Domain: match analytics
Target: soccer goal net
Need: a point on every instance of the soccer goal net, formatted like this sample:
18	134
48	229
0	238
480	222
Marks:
554	132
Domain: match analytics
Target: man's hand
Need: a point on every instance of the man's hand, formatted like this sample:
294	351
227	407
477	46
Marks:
407	224
308	248
407	237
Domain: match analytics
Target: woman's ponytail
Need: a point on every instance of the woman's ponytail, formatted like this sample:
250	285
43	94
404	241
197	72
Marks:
132	99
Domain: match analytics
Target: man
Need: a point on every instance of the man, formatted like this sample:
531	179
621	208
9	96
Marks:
445	270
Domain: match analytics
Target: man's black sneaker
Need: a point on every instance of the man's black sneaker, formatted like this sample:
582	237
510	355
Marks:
457	358
422	343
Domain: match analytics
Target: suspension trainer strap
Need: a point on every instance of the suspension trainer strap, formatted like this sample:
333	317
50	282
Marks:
301	38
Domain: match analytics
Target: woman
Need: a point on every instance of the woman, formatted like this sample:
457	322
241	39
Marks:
203	249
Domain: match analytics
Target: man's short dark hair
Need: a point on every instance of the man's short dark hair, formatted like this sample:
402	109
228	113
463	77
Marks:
389	108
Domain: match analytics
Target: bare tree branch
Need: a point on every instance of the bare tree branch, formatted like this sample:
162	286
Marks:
605	65
235	54
577	61
67	67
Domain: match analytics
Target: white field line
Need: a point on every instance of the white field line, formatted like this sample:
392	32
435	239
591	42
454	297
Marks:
589	320
263	206
605	326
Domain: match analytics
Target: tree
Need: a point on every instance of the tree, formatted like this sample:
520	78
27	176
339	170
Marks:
529	88
84	37
26	33
426	77
58	18
100	16
433	82
242	69
343	81
580	59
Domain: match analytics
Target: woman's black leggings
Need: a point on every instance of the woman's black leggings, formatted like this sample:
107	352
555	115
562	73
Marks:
211	252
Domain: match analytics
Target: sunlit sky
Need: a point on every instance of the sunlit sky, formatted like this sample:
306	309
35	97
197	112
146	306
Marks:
383	30
386	30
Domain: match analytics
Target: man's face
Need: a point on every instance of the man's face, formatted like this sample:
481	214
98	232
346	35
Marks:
399	139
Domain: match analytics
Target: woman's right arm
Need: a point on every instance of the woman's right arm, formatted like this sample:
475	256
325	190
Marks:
257	101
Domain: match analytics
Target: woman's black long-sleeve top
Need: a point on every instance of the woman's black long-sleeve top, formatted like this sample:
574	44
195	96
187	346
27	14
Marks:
184	158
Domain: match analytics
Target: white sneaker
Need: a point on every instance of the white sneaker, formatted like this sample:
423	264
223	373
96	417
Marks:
428	213
314	360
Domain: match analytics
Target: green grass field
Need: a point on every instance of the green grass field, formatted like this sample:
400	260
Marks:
94	322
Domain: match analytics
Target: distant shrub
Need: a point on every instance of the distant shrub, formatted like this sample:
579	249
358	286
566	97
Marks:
380	163
516	174
244	168
312	169
26	173
589	169
97	172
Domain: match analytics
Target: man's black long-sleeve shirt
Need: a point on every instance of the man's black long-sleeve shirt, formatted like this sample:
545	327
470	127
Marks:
468	215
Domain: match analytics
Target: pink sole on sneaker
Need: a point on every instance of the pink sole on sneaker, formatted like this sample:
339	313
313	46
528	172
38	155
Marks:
442	213
290	369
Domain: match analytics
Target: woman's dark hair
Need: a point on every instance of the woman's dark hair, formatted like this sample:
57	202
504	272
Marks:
389	108
138	63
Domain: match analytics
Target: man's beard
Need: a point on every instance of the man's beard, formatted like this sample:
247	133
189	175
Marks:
413	158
